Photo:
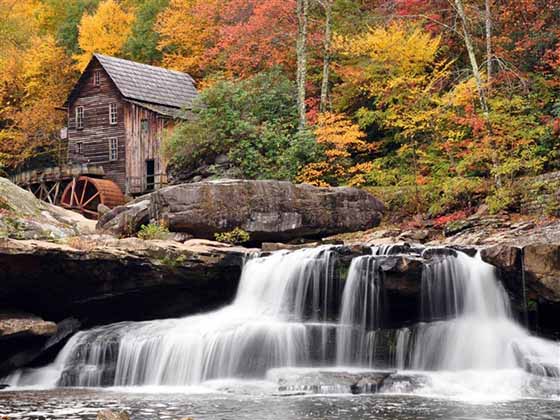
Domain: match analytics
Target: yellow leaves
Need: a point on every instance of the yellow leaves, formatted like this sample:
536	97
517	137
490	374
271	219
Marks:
341	139
398	48
188	29
104	32
33	82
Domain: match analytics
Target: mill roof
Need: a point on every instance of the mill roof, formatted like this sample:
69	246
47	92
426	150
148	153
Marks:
148	84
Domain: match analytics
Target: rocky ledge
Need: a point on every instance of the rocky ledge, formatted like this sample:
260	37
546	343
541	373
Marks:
103	279
267	210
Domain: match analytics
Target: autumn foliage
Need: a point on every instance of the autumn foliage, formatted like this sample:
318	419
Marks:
400	107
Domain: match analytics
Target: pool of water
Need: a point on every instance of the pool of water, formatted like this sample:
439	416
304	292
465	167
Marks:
146	404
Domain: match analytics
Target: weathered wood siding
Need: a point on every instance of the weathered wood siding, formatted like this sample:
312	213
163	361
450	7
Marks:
97	129
143	143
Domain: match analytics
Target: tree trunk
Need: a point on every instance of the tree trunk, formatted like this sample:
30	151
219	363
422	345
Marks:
327	4
489	55
301	51
472	59
479	86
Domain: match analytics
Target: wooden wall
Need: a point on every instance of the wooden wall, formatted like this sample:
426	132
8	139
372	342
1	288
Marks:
142	145
97	130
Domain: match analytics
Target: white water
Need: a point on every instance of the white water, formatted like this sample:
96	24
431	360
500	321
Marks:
293	311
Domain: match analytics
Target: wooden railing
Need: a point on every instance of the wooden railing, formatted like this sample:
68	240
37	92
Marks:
145	184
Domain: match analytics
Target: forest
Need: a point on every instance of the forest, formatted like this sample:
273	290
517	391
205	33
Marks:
435	105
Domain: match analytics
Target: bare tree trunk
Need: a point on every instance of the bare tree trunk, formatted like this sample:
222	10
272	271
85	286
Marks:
479	86
301	51
489	55
472	59
324	104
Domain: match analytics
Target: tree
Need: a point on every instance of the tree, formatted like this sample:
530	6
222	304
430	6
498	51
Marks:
188	31
104	32
328	6
143	41
342	141
33	84
257	36
301	51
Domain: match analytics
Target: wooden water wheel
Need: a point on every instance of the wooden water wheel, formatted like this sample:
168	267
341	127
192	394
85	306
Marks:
84	194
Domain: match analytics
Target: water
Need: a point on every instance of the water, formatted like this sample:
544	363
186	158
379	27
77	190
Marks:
297	326
73	404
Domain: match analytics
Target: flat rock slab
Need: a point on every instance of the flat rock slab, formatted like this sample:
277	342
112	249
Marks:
267	210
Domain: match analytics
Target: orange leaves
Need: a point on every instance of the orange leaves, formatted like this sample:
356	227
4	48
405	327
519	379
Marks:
238	37
342	140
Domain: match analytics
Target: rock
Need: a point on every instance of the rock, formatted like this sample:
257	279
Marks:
277	246
505	257
369	383
112	415
541	263
23	216
181	237
452	228
19	350
4	386
102	209
22	324
126	220
298	380
221	160
417	235
275	211
107	280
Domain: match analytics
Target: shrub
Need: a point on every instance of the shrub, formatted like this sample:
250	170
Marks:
253	122
501	199
234	237
150	231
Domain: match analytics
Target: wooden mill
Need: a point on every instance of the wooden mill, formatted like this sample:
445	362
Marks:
118	113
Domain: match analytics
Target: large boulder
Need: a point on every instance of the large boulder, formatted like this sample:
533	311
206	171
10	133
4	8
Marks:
267	210
23	216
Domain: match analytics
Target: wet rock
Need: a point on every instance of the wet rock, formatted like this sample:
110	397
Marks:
324	382
112	415
404	383
19	350
541	263
402	274
503	256
370	383
270	211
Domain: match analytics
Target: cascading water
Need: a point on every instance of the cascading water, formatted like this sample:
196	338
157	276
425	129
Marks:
292	310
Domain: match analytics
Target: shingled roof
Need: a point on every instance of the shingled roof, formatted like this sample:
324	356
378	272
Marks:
147	84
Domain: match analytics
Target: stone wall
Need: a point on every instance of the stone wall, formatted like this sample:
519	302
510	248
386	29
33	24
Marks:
540	195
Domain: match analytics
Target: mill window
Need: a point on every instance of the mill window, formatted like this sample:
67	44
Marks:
113	149
113	113
79	148
144	127
97	78
79	117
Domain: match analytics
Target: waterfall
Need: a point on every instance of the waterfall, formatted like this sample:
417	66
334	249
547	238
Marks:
360	313
292	310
